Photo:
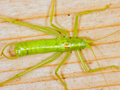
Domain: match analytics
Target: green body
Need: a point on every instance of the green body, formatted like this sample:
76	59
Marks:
49	45
59	45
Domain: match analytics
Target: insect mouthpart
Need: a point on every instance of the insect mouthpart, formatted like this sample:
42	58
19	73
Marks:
87	40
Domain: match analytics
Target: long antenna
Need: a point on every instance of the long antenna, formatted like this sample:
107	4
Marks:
105	36
96	57
99	67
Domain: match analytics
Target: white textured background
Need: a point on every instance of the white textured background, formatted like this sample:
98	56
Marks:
93	26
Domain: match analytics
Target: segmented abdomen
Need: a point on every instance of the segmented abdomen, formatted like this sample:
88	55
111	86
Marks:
35	47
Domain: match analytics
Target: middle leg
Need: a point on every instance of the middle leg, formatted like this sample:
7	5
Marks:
56	70
51	19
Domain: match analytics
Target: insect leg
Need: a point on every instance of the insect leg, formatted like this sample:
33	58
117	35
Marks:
101	68
46	30
51	19
64	59
46	61
83	13
92	70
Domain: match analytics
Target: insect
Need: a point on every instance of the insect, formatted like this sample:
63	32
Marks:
59	45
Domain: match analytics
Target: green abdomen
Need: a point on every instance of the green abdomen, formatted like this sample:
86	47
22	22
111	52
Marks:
47	45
